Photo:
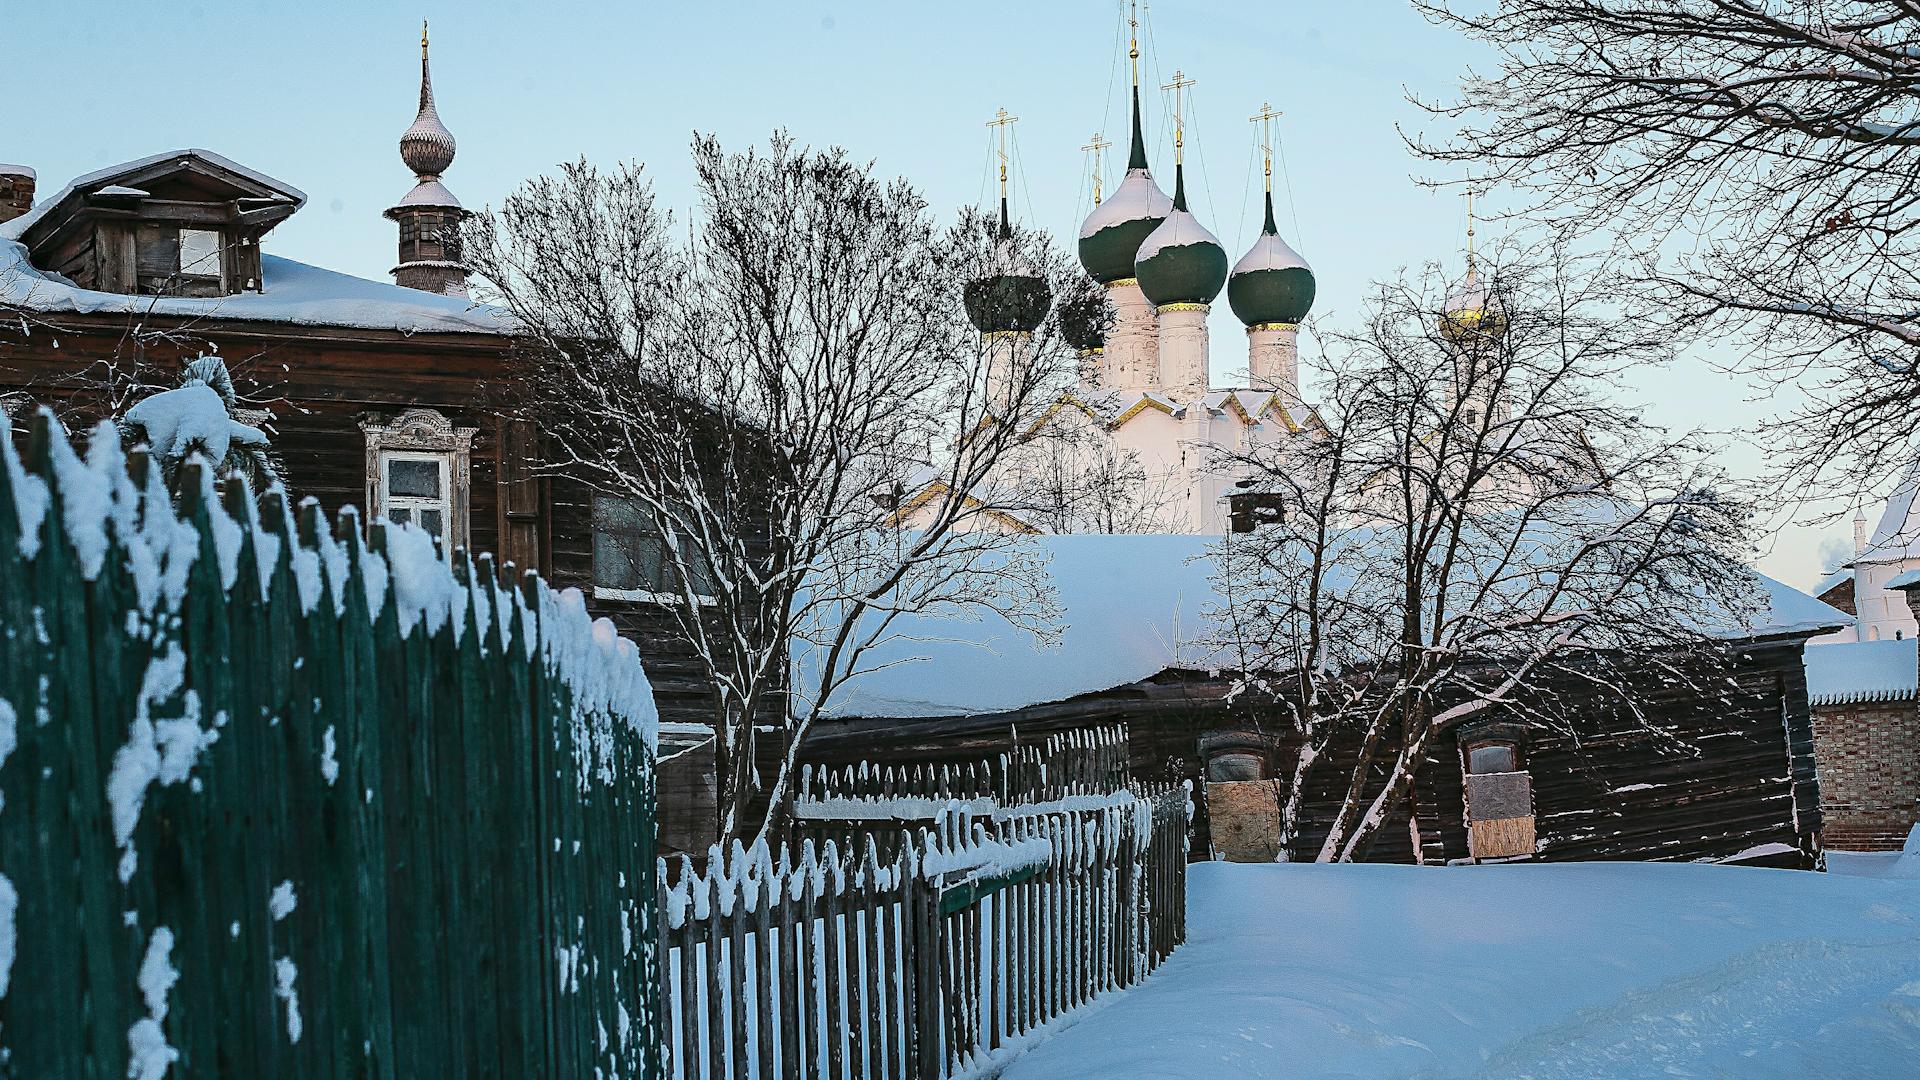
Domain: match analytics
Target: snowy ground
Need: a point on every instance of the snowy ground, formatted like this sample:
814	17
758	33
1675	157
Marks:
1595	970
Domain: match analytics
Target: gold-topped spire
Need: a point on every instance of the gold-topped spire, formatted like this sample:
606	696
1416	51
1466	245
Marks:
1265	118
1179	84
1001	122
423	39
1098	149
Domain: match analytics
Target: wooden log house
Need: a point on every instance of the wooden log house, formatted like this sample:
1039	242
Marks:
1734	779
396	398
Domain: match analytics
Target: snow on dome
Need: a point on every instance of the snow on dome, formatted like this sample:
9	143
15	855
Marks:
1861	671
1270	252
1137	198
293	292
15	229
430	193
1181	229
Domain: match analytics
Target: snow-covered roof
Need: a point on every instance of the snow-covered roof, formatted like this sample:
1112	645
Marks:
1133	606
1861	671
293	292
1904	579
18	170
1136	198
15	229
1181	229
1270	252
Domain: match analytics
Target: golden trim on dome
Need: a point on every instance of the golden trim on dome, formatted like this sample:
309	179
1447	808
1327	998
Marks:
992	335
1183	305
1272	326
1121	282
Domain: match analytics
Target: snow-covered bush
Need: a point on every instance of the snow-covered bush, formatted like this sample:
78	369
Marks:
198	418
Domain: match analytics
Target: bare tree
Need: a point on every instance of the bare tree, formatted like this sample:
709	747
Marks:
1759	160
1480	523
769	392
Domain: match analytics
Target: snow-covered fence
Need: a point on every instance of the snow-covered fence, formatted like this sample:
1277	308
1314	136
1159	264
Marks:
282	802
824	962
1062	770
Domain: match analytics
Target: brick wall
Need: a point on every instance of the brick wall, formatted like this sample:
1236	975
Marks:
1869	763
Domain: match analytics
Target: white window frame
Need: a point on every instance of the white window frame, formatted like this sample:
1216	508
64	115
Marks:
423	434
391	503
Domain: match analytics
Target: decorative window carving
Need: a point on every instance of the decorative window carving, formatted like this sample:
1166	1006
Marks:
419	472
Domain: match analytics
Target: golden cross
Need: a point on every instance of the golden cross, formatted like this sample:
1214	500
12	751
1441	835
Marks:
1002	122
1098	149
1179	84
1469	195
1265	118
1133	39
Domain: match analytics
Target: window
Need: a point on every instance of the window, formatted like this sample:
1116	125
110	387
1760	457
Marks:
1491	758
179	261
418	491
630	557
418	473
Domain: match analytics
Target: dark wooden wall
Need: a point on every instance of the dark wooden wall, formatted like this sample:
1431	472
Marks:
1604	788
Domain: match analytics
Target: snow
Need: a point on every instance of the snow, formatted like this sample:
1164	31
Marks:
13	230
1861	671
149	1055
1181	229
284	972
156	751
282	902
329	761
1137	197
18	170
293	292
1573	970
191	418
1132	606
429	193
1270	252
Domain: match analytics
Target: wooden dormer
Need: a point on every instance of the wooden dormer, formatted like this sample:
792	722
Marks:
186	223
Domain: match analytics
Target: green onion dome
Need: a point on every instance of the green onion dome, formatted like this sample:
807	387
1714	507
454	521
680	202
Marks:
1112	234
1181	262
1271	283
1011	297
1472	311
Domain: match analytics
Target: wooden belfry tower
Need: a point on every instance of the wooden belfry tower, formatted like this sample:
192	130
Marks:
429	216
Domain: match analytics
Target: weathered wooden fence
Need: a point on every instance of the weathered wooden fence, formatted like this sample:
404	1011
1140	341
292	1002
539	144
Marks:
820	962
282	803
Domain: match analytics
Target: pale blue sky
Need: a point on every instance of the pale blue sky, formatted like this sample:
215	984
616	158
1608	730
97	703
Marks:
317	95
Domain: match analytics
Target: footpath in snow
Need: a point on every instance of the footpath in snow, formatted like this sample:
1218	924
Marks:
1589	970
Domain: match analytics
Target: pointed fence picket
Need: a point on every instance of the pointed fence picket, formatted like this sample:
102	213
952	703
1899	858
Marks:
467	839
923	962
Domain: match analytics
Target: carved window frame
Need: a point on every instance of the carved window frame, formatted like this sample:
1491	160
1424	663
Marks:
414	434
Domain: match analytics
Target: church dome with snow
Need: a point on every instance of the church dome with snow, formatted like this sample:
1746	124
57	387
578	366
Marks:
1011	297
1181	262
1111	236
1271	283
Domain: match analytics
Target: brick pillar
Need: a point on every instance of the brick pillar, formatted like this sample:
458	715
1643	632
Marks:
16	191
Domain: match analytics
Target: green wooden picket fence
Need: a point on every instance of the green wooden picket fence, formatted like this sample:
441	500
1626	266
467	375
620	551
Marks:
283	802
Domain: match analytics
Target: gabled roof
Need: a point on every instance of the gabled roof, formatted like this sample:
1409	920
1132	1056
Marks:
136	178
1897	536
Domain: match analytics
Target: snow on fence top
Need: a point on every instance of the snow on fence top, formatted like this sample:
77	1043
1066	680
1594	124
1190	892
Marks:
1133	606
103	510
1846	672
